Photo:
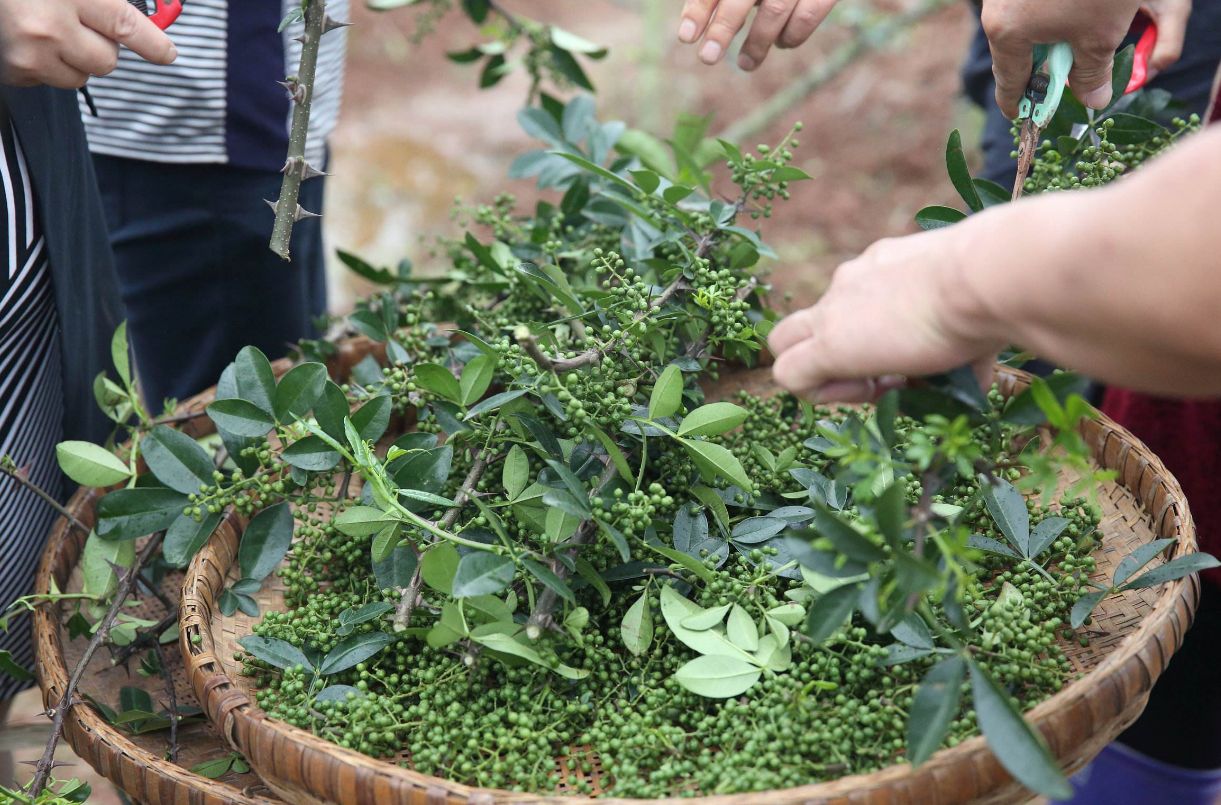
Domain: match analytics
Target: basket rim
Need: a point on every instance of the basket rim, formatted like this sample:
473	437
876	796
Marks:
241	720
107	749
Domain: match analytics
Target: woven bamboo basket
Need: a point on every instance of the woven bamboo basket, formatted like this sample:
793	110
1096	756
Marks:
136	763
1135	635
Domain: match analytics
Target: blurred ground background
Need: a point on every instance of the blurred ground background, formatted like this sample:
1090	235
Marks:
416	132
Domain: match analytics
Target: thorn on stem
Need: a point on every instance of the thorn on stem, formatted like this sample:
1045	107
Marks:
303	213
330	24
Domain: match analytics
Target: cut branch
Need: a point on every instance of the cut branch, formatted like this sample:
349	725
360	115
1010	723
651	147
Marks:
296	169
9	467
407	601
66	701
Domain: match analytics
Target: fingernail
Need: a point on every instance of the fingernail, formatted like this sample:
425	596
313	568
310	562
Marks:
1098	98
710	52
686	31
746	62
173	52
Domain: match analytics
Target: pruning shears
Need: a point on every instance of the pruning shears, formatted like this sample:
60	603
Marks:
1052	64
161	12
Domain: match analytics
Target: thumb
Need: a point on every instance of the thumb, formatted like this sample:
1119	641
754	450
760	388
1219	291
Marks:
1091	76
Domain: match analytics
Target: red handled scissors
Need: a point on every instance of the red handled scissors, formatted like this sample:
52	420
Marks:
161	12
1143	53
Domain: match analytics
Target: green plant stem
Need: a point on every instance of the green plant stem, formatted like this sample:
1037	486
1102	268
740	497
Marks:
824	70
46	763
402	614
295	167
172	702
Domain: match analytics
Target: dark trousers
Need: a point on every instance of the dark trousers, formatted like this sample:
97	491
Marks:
197	278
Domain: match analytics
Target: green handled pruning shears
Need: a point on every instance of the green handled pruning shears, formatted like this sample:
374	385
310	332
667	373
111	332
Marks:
1052	64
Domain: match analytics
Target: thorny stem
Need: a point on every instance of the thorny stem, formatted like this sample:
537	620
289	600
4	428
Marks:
9	467
287	210
402	615
541	618
126	584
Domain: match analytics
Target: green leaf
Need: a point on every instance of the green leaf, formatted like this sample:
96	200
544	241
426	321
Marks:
311	454
90	465
1121	72
214	769
990	545
438	380
365	613
1131	564
353	650
372	418
185	537
278	653
846	539
494	402
713	460
550	580
482	573
1023	408
265	541
571	42
298	390
515	474
425	497
241	418
1128	129
395	572
176	460
830	611
98	560
1008	508
933	708
1085	607
1018	748
891	513
612	450
132	513
498	641
637	626
754	530
384	543
476	378
10	668
718	677
438	566
1174	569
120	355
667	393
378	276
331	409
713	502
1045	533
691	563
741	630
596	169
712	419
338	693
991	193
363	521
913	631
646	180
256	382
960	174
938	217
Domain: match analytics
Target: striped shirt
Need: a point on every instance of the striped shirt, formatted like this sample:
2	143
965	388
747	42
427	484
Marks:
220	101
31	393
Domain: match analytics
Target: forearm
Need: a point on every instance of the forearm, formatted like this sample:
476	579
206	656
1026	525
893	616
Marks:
1123	284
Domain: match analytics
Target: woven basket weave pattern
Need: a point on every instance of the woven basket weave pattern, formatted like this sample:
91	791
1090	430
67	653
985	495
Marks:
1139	631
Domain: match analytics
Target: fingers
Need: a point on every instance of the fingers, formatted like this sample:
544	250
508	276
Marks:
119	21
804	20
1171	18
770	21
791	330
729	18
1090	77
91	53
695	17
1012	60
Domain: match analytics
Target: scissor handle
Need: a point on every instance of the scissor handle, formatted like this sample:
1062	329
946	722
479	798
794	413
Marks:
1142	55
164	12
1052	64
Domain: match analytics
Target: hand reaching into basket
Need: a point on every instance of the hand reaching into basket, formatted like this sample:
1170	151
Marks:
1119	283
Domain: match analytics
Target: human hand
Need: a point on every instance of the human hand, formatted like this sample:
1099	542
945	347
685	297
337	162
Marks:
63	43
785	23
1093	28
1171	19
897	310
